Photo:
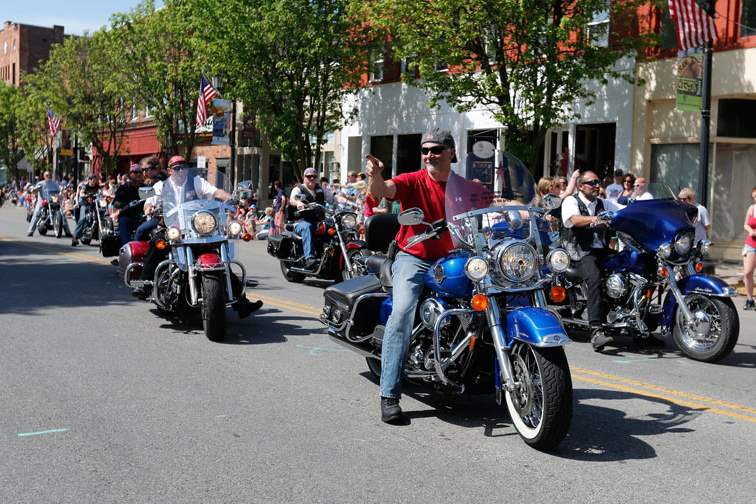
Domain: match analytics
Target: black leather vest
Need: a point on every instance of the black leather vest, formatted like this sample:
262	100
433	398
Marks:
578	241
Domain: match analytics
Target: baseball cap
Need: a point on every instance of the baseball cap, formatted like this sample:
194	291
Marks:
439	136
176	160
310	171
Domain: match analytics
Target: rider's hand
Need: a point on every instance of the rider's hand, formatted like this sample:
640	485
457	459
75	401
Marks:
300	205
374	166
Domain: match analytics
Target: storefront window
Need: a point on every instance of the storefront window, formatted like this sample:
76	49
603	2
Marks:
676	165
736	118
732	181
748	18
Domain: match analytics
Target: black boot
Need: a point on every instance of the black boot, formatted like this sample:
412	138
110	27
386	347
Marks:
391	412
244	307
599	340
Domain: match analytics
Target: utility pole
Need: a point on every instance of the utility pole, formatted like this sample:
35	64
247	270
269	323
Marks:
708	6
232	144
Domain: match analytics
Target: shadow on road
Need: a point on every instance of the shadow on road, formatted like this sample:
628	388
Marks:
30	285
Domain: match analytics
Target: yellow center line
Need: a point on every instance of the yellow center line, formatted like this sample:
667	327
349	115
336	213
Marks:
580	374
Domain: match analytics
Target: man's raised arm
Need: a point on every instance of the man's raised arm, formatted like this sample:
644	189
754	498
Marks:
377	186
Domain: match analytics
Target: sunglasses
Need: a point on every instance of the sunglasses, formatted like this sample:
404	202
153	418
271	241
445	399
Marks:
594	182
436	149
310	176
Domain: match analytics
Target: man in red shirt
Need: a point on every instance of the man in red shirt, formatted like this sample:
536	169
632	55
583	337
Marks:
424	189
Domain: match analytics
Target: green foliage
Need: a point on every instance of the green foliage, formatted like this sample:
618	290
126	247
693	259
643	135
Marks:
79	84
10	135
158	61
290	61
526	61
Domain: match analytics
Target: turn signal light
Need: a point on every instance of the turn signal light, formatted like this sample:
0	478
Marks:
331	232
471	346
160	244
246	237
699	267
663	272
479	302
558	294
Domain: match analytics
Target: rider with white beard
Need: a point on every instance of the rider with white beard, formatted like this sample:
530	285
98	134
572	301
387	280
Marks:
196	188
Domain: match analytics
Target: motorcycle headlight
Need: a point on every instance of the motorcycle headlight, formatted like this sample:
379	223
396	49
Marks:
558	260
476	268
517	261
54	199
349	221
173	233
234	229
665	250
204	222
683	243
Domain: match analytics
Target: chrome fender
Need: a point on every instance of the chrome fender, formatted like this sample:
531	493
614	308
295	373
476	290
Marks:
705	285
535	326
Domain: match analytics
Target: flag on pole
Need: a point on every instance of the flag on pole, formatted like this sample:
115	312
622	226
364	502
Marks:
53	122
693	25
206	93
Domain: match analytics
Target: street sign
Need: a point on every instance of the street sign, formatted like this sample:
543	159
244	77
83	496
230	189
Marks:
690	82
66	152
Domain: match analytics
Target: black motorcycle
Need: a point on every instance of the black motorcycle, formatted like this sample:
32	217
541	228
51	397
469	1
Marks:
50	215
94	214
335	240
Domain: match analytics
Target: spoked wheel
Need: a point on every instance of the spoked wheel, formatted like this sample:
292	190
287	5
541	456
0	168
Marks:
713	332
213	307
541	403
289	275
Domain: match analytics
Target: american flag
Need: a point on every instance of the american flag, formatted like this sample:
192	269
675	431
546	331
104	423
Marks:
53	122
693	25
206	94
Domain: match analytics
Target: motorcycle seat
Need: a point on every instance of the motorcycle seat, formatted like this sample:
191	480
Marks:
380	265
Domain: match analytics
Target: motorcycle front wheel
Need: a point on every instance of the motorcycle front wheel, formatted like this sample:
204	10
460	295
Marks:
213	307
721	323
541	404
58	224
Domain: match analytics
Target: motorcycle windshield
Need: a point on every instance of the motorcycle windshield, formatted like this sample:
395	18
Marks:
480	215
180	203
49	189
655	221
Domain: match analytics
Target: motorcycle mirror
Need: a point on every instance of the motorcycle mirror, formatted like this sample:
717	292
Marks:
551	201
146	192
411	217
514	219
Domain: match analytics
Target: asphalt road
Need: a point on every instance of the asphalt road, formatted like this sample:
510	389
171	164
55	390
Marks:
104	401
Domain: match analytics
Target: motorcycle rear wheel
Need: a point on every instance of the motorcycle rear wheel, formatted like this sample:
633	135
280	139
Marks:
213	307
541	406
723	333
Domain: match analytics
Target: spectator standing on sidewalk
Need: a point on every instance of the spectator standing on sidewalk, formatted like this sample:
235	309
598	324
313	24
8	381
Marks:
749	251
702	220
614	191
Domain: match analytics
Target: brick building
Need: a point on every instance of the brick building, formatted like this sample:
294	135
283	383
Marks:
24	47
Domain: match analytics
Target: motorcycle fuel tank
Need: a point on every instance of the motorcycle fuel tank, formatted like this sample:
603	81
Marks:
447	277
632	261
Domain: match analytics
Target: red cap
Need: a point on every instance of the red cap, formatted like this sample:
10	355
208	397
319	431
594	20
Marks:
176	160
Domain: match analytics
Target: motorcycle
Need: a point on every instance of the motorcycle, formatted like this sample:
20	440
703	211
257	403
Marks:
50	215
481	324
94	213
336	243
656	281
196	276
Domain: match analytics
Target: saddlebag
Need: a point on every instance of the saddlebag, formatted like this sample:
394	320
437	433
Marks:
280	246
365	293
110	244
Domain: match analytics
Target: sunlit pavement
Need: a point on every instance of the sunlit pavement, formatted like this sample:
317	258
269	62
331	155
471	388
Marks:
104	401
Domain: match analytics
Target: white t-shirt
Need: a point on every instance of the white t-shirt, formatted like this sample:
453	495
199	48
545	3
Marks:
645	196
570	209
701	221
297	191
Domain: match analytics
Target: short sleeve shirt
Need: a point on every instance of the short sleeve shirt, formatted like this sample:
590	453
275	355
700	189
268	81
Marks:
418	189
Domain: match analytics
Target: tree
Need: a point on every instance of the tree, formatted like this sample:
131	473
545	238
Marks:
290	61
34	135
11	152
81	87
162	70
526	61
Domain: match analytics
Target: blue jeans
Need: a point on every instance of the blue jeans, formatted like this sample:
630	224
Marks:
407	275
125	227
81	221
144	229
304	229
35	216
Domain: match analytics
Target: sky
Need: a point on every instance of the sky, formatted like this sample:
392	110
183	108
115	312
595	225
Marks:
77	16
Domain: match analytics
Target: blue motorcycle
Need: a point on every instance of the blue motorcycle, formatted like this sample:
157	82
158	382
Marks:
481	324
655	281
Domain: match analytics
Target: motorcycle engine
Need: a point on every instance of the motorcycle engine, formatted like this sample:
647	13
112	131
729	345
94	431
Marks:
616	286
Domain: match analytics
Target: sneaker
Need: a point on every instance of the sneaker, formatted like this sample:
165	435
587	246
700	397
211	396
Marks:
74	242
391	412
30	233
749	305
599	340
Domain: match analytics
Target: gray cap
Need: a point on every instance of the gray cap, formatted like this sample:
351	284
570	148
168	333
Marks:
439	136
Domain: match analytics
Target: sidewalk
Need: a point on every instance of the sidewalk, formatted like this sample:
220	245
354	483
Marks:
732	273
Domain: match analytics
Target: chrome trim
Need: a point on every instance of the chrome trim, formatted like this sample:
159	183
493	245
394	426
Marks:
127	272
192	269
438	364
348	323
163	264
227	270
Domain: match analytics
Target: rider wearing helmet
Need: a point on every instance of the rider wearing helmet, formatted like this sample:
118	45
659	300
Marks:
204	190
